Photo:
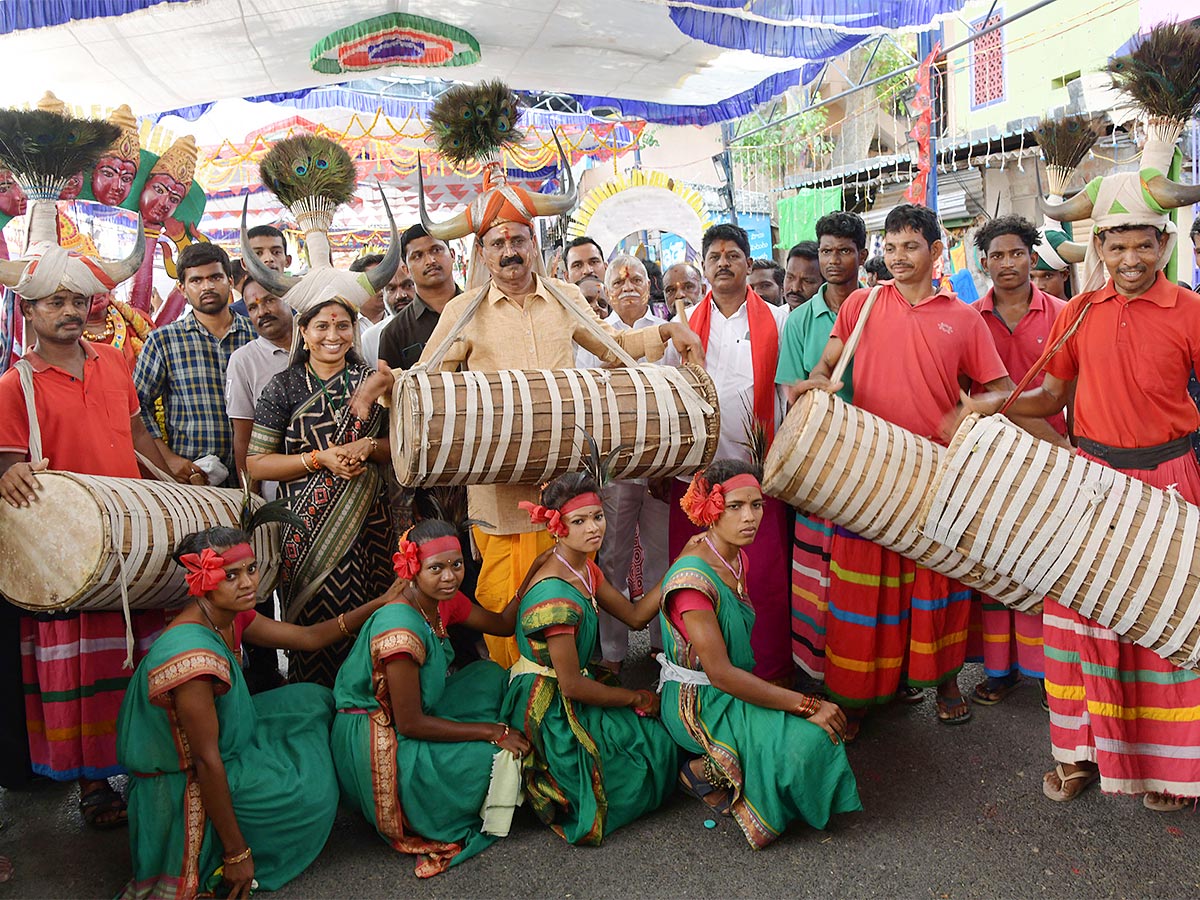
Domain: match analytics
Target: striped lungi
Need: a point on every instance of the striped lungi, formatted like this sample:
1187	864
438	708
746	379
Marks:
1004	640
1119	705
74	671
890	622
811	540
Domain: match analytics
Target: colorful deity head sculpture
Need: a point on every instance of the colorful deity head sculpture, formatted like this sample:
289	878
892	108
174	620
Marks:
115	171
13	201
169	182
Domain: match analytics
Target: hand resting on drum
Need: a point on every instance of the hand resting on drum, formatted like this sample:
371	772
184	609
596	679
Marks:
19	484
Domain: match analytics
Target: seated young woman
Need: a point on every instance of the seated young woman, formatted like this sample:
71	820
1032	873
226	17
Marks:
225	786
764	754
413	744
599	758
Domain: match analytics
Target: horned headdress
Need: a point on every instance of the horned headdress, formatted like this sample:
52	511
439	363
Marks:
475	123
1161	76
312	176
44	148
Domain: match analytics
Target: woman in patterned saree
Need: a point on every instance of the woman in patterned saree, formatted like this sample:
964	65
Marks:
764	754
225	786
600	759
414	745
327	462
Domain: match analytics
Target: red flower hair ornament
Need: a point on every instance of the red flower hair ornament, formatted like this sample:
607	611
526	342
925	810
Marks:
406	561
540	515
703	503
206	569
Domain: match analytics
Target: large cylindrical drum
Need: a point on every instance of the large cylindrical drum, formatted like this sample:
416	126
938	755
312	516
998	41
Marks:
1106	545
526	427
871	477
85	536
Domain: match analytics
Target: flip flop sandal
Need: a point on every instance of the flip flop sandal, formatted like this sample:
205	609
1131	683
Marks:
945	707
994	690
1061	794
910	696
1157	802
94	804
695	786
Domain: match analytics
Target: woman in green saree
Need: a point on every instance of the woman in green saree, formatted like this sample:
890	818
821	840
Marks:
764	754
600	759
225	786
327	462
413	745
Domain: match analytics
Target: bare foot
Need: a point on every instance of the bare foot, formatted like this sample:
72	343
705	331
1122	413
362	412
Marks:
1159	802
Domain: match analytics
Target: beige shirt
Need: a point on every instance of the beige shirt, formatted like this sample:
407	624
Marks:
539	335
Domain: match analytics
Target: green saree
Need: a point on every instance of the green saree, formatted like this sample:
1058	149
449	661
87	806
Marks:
783	767
424	797
275	747
592	768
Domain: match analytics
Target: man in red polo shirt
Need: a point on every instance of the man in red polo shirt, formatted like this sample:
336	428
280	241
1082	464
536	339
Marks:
1119	712
892	623
1019	316
73	664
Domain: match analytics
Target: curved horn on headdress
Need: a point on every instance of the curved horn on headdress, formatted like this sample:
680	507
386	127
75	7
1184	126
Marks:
381	274
1172	194
1078	207
556	204
1071	251
12	271
459	226
119	270
276	282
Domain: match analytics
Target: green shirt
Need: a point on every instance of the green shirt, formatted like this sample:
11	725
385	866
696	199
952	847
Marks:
803	340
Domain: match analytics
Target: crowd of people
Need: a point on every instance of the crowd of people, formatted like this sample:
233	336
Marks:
450	649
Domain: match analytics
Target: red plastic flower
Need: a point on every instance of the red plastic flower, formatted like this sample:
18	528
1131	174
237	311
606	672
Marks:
407	560
701	503
205	570
539	515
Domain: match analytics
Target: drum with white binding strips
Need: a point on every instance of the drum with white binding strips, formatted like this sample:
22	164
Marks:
88	540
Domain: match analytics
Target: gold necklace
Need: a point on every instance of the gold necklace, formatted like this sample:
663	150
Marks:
438	630
213	625
110	328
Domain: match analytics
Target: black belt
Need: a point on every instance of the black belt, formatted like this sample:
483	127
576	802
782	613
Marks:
1137	457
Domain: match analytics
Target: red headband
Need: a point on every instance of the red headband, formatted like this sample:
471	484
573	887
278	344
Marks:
704	505
553	517
407	560
206	569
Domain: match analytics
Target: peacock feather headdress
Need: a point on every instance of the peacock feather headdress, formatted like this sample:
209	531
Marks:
1065	142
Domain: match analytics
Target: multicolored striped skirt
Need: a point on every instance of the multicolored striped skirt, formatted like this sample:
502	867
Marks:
811	540
74	671
1004	640
890	622
1119	705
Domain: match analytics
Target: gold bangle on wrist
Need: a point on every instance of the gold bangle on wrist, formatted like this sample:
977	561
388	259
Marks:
304	462
341	620
240	857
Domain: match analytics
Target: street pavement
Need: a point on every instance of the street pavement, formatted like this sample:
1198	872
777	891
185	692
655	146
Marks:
949	813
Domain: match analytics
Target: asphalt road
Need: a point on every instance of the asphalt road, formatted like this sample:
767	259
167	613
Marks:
948	813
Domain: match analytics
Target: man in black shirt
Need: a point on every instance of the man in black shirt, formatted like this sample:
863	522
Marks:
429	261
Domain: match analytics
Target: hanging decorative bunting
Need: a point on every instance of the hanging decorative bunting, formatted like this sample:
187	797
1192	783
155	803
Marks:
396	39
922	106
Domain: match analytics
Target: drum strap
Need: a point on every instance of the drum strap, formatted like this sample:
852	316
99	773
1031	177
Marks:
589	322
855	336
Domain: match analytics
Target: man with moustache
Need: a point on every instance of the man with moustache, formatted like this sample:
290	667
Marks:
519	324
682	281
584	257
632	506
87	412
802	276
252	366
185	365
